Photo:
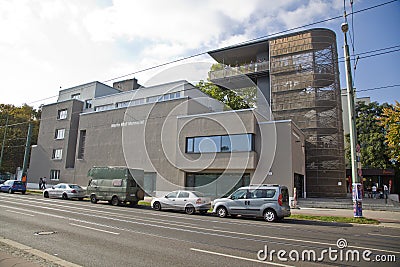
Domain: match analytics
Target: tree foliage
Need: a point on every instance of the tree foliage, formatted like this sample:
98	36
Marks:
371	136
233	99
390	121
14	135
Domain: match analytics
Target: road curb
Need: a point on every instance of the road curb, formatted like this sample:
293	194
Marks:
38	253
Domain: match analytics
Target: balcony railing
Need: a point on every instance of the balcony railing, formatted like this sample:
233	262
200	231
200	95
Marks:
228	71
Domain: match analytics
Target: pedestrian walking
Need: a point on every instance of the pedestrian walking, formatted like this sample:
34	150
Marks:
24	179
386	192
44	183
374	191
40	183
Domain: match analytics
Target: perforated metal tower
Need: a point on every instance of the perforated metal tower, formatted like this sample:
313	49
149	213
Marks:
300	80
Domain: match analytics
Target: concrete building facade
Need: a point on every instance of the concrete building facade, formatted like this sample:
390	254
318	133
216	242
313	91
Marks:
179	136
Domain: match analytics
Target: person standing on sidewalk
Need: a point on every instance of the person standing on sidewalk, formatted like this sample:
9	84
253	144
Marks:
374	191
386	192
40	183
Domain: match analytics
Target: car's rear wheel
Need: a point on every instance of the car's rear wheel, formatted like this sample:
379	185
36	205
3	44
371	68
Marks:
93	199
64	196
270	215
115	201
222	212
10	191
23	192
46	194
157	205
190	210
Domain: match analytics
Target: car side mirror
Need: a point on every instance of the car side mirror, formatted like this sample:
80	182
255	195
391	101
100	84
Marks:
232	197
166	196
52	187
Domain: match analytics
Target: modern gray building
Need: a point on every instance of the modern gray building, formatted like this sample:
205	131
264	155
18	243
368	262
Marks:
179	136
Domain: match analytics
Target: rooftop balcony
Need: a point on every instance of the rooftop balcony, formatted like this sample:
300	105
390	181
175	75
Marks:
251	69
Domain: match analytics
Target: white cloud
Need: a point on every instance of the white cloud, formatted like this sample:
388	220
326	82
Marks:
53	43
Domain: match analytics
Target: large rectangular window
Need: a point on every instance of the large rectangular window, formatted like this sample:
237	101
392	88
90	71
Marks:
57	153
60	133
216	184
62	114
220	143
82	142
54	174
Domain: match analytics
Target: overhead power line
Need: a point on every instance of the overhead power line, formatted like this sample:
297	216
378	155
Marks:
240	43
379	88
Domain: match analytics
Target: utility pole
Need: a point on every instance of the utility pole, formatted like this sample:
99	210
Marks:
357	190
27	149
3	143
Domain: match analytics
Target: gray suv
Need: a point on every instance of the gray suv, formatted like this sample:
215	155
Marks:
268	201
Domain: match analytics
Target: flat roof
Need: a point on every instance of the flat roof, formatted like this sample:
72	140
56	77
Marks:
247	51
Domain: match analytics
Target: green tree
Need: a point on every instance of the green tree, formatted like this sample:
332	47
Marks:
371	136
14	135
233	99
390	121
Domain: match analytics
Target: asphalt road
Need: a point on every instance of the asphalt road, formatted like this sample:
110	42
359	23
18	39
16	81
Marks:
102	235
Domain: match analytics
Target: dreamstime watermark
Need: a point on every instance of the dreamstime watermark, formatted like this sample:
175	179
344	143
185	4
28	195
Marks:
339	253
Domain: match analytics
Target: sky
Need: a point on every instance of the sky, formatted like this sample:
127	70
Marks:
46	45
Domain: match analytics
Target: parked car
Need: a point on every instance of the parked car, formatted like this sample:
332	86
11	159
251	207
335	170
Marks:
116	185
188	201
12	186
268	201
65	191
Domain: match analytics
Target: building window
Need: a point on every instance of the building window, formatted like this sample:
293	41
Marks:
76	96
152	99
122	104
82	141
88	103
57	153
62	114
220	143
139	101
60	133
216	184
104	107
54	174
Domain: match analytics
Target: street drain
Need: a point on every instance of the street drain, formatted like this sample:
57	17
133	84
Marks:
44	233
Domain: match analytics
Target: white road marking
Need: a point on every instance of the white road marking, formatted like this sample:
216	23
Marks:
22	213
238	257
96	229
384	235
224	232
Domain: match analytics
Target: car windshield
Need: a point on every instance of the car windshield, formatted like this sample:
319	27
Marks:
198	194
75	186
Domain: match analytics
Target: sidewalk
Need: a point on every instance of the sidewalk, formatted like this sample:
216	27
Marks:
15	254
7	260
381	216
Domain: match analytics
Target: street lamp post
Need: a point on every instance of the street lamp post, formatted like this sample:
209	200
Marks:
357	195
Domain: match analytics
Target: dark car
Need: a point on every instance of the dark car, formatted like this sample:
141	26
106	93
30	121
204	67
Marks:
12	186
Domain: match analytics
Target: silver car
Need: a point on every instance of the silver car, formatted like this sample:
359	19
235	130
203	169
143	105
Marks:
188	201
268	201
65	191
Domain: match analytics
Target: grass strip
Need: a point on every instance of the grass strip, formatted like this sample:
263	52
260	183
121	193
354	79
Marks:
338	219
